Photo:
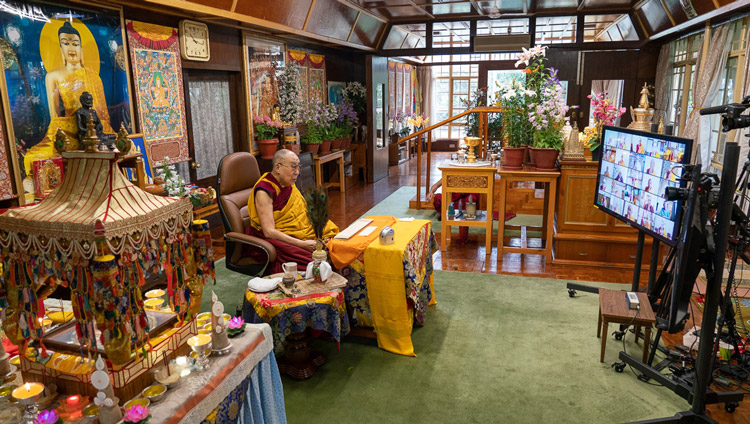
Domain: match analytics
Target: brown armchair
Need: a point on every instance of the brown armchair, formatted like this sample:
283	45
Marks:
238	172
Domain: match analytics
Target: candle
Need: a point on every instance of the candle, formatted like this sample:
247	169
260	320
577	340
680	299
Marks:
28	390
73	401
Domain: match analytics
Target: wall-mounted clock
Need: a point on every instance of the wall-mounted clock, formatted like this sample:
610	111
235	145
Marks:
194	41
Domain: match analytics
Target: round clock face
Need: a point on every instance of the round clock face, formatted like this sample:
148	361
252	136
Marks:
100	379
218	309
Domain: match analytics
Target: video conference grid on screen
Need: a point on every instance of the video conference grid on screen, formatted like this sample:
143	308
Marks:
634	174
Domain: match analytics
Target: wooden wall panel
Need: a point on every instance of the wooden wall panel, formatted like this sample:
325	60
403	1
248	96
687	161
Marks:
291	13
226	50
367	31
703	6
219	4
332	19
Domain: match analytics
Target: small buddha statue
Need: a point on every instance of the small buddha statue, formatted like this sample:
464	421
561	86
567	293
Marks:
86	112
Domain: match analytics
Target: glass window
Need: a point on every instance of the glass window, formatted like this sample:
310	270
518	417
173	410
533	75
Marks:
598	28
724	96
556	30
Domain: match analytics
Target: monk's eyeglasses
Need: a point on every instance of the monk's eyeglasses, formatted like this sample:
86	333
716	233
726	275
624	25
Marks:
295	167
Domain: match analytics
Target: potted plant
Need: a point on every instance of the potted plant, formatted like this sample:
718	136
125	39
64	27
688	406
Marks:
312	138
516	128
347	121
355	94
290	95
265	129
548	120
604	113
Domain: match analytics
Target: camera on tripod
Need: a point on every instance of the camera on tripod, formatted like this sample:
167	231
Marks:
708	187
733	117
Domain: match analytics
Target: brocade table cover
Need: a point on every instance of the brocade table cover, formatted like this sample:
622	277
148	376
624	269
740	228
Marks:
231	389
417	268
321	311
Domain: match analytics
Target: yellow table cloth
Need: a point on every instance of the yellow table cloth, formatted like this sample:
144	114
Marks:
392	318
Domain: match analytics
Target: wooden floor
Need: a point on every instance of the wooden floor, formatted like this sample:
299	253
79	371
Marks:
470	257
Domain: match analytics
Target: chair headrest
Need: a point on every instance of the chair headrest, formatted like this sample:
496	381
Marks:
237	171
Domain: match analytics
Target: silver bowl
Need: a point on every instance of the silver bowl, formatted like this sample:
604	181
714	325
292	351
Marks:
154	392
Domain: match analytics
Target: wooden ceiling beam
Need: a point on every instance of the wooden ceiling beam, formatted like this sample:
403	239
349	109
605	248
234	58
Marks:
198	11
727	10
424	11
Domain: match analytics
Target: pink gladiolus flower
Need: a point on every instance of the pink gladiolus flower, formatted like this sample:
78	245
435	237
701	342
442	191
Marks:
235	323
135	413
46	417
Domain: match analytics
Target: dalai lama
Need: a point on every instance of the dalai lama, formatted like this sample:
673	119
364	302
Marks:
278	213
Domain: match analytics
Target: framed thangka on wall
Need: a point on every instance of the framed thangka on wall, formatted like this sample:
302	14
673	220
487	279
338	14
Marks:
263	58
51	55
157	77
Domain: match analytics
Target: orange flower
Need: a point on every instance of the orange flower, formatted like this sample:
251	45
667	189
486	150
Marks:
527	71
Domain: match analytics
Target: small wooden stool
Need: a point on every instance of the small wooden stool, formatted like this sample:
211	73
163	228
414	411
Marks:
613	307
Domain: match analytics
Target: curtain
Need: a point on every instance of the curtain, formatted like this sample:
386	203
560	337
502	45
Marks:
212	124
663	88
424	76
704	91
739	135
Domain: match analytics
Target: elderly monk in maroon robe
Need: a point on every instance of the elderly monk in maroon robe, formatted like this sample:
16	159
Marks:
278	213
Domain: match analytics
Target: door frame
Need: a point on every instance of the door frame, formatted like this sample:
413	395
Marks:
235	86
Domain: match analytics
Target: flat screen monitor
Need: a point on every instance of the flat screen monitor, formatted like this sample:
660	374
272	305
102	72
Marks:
634	172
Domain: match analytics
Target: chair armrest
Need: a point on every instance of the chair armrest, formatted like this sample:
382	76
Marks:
253	241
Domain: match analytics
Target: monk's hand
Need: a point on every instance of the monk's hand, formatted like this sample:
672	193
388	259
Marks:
308	245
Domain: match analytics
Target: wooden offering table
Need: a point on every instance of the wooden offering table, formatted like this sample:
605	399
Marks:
465	178
320	160
550	192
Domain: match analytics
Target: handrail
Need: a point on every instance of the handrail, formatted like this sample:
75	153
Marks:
482	109
482	132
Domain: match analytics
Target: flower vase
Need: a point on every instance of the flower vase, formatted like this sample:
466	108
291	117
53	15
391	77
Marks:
319	255
596	154
312	148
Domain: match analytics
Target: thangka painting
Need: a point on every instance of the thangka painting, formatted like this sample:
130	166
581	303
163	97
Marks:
312	74
391	89
157	77
51	55
399	89
263	59
6	182
317	85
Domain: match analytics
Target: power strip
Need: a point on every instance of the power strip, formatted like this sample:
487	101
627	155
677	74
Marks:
633	302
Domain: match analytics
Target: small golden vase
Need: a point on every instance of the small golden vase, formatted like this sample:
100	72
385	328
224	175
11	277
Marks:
472	142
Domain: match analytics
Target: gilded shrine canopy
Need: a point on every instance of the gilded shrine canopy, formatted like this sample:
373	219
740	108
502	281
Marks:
94	190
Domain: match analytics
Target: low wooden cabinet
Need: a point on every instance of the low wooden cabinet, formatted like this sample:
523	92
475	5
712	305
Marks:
584	235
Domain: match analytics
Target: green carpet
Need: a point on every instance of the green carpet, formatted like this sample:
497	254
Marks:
397	204
496	348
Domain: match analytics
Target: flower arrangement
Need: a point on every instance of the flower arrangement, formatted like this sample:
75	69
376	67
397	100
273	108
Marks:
347	119
136	414
200	196
514	97
548	118
235	327
355	94
419	121
48	417
291	105
173	182
321	121
265	127
604	113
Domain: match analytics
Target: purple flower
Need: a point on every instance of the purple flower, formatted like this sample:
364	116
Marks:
235	323
47	417
135	414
